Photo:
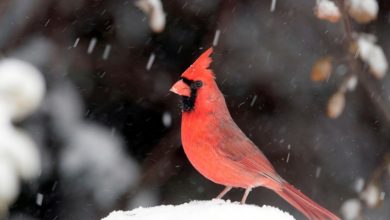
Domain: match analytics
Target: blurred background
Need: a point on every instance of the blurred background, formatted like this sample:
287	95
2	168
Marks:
106	133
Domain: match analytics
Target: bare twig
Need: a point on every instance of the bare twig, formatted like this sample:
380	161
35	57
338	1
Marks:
356	67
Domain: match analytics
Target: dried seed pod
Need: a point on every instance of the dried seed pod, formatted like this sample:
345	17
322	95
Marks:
362	11
321	70
327	10
336	104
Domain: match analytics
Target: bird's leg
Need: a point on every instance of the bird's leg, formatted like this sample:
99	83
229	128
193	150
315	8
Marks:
247	191
226	190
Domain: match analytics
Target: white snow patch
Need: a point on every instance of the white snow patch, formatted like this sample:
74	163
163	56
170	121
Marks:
371	195
98	157
351	83
327	10
5	115
351	209
363	11
373	55
195	210
20	149
22	87
144	197
359	184
9	187
155	12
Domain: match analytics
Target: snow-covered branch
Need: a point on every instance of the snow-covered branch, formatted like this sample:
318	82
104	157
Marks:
215	209
22	89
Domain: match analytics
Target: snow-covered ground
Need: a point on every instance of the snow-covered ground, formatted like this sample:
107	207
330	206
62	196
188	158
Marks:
214	209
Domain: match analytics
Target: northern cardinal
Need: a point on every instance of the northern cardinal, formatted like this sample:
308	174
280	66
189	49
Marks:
217	147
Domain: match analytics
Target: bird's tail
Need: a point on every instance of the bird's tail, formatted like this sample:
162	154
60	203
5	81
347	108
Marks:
308	207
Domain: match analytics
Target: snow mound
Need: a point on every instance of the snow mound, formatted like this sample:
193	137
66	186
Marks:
215	209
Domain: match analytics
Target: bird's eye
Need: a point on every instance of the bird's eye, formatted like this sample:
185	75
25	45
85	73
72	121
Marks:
198	84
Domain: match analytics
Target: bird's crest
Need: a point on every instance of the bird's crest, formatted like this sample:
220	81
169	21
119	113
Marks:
200	68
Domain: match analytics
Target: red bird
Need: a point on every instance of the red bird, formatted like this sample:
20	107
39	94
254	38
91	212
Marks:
217	147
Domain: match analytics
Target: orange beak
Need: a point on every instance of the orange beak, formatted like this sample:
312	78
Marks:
181	89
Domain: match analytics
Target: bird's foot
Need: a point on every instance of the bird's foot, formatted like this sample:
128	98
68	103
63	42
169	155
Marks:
247	191
226	190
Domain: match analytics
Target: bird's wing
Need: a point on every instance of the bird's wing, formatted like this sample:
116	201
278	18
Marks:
236	146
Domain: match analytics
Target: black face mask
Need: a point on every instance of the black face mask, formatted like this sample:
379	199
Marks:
187	104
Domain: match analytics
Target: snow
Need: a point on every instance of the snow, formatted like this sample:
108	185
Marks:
9	187
359	185
373	55
327	10
92	155
92	45
39	199
106	52
288	157
98	158
167	119
318	172
351	83
144	197
216	37
22	151
22	87
371	195
273	5
253	100
150	61
155	12
5	114
195	210
363	11
351	209
76	42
